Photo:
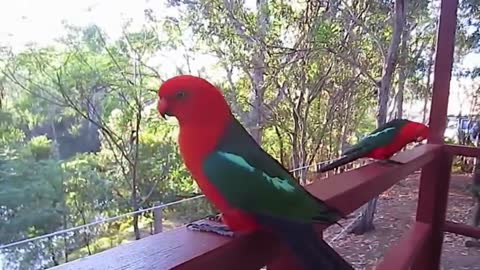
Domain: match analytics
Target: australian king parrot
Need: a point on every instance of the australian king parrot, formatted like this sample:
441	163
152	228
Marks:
383	142
250	188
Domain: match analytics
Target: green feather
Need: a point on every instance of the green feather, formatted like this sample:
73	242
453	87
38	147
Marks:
251	180
277	182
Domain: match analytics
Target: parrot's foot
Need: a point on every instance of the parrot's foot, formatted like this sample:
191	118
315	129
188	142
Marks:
215	218
390	162
200	226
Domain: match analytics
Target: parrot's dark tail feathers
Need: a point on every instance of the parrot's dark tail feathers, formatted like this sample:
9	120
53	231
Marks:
341	161
315	253
303	241
338	261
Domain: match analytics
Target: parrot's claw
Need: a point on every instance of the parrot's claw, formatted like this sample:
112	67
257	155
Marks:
215	218
391	162
222	230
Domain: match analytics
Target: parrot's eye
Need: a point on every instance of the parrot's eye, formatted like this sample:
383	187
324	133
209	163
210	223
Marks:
181	95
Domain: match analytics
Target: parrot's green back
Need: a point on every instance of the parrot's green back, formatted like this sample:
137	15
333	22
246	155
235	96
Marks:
381	136
251	180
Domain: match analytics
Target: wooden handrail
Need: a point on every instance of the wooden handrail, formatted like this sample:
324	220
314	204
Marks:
462	229
350	190
186	250
463	150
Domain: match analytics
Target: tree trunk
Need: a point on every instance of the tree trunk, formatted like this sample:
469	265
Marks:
345	131
136	229
85	234
134	144
427	88
365	224
296	158
2	95
65	240
390	62
56	156
51	249
256	97
281	146
402	73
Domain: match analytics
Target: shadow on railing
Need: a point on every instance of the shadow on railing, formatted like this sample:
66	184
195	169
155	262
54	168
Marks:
420	247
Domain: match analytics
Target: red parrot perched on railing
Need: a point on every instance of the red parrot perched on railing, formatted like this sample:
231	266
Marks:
382	143
252	190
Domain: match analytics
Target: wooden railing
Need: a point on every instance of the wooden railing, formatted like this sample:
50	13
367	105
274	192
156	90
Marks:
420	247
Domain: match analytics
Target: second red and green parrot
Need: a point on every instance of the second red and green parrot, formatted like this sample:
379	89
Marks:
251	189
383	142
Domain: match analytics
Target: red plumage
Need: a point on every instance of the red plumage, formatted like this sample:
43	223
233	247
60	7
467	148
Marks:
197	138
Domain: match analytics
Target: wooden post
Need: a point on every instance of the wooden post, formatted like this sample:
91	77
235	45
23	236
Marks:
431	209
442	70
157	219
435	179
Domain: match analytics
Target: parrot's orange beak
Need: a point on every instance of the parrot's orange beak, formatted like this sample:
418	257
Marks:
162	107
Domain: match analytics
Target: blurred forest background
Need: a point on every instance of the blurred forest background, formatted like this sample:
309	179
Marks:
80	139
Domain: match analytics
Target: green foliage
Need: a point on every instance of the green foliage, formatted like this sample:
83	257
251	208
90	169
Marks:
40	147
31	196
9	134
326	32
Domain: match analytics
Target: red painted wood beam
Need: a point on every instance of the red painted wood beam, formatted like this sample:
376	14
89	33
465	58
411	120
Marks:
181	249
435	179
462	229
431	209
462	150
442	70
402	255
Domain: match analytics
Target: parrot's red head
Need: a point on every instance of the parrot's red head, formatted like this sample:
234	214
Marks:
419	130
192	100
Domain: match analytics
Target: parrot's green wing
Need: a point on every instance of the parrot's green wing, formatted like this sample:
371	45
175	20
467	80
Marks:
251	180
